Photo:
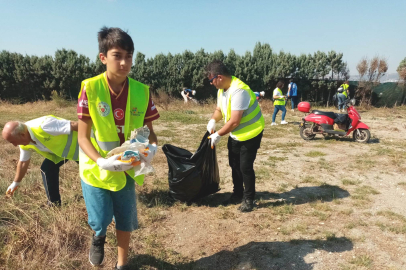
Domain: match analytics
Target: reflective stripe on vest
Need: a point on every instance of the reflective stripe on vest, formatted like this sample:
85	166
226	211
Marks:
104	135
61	146
279	101
252	122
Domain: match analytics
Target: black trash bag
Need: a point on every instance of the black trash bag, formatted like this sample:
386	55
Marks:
192	176
341	118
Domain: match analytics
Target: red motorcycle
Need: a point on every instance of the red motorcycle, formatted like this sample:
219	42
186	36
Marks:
333	124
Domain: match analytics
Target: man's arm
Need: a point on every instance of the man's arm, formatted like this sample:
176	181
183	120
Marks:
84	129
234	121
73	126
22	167
288	89
217	115
152	136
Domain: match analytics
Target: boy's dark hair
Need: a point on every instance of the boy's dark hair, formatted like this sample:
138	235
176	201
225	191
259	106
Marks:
291	80
217	68
110	37
280	84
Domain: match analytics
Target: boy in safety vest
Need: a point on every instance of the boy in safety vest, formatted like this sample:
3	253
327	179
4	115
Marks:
238	106
54	138
110	106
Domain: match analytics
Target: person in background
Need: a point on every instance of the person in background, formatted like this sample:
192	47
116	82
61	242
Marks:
115	106
259	94
292	94
238	106
279	103
54	138
342	95
187	94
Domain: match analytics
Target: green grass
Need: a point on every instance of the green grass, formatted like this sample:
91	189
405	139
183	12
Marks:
315	154
362	260
347	182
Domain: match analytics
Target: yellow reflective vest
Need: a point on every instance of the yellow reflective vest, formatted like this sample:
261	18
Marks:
61	146
252	122
279	101
345	87
104	135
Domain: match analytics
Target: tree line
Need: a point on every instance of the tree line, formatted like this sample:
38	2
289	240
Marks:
28	78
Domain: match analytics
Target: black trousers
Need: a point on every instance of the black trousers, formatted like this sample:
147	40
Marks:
241	157
50	178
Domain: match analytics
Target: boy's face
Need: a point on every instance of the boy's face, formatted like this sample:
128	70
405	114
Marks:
117	61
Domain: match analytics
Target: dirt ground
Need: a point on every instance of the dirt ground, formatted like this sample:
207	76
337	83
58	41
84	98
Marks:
321	204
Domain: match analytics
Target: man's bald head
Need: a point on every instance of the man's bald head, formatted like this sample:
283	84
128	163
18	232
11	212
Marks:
16	133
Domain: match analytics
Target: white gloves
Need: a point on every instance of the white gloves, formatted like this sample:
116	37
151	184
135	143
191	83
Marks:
211	126
149	154
215	138
112	164
13	187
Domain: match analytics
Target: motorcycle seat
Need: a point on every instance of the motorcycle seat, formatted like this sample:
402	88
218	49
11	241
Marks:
332	115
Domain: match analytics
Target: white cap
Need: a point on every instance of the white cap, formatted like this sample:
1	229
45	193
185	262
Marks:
262	93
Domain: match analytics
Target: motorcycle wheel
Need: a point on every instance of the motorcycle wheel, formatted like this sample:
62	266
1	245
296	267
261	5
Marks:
363	137
305	133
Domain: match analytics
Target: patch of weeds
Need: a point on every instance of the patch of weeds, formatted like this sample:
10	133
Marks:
363	161
392	215
272	158
225	214
330	236
362	194
321	206
315	154
354	224
402	184
322	216
286	209
288	145
362	260
283	187
347	182
323	164
310	180
347	212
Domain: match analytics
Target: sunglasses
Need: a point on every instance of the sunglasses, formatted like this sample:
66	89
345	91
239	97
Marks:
211	80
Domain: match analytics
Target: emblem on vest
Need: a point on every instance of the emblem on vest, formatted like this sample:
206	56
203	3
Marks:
103	108
135	111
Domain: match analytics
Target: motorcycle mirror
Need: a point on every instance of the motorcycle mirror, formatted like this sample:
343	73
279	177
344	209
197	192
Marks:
353	101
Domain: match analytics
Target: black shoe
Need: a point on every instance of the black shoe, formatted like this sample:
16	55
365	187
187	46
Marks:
96	254
123	267
234	199
247	205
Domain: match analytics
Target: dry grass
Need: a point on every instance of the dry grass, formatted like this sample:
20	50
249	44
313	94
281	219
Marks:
322	204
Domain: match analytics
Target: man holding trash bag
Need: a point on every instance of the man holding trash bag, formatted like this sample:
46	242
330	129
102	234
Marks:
238	106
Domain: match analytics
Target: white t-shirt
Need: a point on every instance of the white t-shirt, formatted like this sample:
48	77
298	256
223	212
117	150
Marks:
240	101
276	92
53	127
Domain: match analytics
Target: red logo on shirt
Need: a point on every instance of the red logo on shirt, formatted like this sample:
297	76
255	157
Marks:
118	114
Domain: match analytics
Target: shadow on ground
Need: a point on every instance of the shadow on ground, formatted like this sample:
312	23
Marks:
300	195
254	255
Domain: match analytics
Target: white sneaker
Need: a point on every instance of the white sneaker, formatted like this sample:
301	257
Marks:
292	110
274	124
284	122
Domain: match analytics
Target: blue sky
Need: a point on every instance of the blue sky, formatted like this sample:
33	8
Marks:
356	28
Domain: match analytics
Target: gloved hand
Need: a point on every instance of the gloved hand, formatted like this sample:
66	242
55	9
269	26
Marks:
112	164
149	154
215	138
211	126
13	187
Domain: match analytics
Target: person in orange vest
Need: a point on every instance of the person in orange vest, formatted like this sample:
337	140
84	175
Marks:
112	105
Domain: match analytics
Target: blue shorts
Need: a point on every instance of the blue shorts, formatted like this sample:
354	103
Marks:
102	205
